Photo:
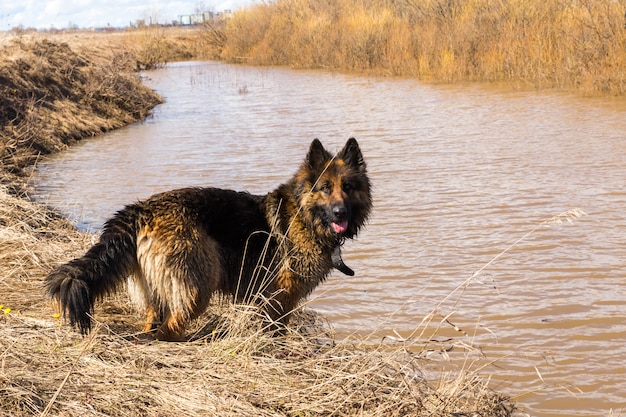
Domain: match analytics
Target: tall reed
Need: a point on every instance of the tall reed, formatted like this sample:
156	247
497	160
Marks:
543	43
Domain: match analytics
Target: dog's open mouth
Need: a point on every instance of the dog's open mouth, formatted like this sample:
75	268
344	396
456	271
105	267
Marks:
340	227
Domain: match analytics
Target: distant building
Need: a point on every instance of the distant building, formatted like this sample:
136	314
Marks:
200	18
196	18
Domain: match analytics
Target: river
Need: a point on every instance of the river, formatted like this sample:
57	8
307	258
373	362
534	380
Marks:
465	182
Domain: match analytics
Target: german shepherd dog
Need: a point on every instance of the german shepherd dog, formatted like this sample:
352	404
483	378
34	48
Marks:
178	248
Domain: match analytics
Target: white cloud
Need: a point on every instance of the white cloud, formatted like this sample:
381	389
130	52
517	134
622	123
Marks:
45	14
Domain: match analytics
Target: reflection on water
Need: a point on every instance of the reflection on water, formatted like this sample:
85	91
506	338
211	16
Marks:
459	175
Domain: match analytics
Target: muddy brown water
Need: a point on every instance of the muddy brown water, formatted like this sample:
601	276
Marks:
459	175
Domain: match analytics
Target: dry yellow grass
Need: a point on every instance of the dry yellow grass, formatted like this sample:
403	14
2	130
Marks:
579	46
229	367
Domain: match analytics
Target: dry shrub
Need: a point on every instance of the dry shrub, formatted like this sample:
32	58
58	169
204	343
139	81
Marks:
154	46
544	43
241	34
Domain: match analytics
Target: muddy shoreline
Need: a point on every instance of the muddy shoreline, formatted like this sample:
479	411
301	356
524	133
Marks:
57	91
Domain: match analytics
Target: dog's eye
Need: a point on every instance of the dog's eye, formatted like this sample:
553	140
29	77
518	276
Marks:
325	189
347	187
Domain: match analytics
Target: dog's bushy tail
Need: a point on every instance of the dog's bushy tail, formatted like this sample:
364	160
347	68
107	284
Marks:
77	284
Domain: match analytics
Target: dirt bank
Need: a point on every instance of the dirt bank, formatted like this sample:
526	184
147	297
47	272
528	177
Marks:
53	94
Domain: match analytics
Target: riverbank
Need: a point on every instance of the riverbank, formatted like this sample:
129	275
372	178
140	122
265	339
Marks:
57	91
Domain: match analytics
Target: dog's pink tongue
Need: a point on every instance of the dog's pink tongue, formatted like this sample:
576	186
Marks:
340	227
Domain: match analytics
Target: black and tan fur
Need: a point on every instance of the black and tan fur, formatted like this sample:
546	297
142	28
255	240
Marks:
178	248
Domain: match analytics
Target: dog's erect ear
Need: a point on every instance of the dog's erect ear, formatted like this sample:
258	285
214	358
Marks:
351	154
317	156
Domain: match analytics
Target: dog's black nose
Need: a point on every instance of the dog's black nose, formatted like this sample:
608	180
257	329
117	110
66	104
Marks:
340	211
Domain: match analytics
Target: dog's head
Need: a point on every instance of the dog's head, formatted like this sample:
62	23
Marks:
334	191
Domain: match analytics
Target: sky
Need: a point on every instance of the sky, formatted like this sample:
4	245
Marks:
61	14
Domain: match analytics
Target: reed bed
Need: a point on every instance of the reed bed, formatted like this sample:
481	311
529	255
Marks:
576	46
